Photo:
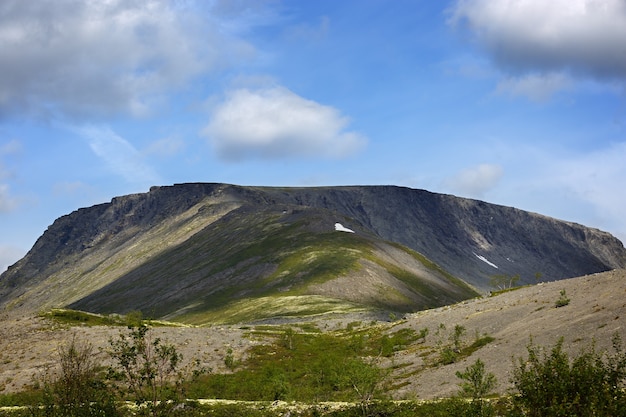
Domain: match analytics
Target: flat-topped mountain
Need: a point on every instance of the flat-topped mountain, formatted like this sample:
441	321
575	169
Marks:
216	252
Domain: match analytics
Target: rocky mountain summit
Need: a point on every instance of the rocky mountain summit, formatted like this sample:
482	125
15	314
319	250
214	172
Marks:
195	252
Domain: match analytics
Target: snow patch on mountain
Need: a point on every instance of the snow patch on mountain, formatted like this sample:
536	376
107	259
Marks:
341	228
485	260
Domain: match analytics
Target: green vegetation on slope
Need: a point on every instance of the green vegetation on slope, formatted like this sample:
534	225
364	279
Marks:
251	265
253	309
68	317
312	368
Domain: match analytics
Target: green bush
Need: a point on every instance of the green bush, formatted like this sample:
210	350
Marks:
552	384
562	301
389	344
79	389
148	371
477	384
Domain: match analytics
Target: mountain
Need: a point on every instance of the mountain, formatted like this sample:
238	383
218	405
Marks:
216	252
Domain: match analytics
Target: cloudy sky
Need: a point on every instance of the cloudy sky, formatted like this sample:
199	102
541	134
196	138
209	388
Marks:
515	102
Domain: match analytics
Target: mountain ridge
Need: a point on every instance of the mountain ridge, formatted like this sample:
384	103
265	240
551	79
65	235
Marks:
188	229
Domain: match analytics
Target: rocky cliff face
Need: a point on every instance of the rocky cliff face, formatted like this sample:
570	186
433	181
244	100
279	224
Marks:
116	245
471	239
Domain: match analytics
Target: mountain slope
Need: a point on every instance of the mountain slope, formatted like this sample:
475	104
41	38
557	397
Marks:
469	238
250	253
190	251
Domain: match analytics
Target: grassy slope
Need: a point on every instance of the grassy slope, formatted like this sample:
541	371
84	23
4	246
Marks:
274	262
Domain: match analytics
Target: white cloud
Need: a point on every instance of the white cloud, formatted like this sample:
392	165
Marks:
537	87
276	123
476	181
81	58
121	156
581	37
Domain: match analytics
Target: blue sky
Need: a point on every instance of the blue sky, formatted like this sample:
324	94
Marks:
515	102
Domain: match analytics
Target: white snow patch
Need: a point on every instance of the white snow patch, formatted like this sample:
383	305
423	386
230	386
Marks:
341	228
485	260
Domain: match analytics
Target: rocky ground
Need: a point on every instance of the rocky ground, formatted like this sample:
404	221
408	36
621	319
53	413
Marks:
596	311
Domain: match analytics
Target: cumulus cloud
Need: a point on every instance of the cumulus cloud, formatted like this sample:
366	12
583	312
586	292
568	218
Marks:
276	123
119	155
79	58
578	37
476	181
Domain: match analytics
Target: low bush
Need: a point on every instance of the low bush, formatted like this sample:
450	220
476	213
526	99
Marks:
552	384
562	301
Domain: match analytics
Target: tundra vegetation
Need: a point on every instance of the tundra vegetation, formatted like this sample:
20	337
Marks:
563	300
303	371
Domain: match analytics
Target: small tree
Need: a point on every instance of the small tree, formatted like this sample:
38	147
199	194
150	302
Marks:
503	281
79	388
149	369
476	385
449	354
459	331
365	379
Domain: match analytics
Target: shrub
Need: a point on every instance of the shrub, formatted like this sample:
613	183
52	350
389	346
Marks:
448	356
477	384
459	331
592	384
79	389
562	301
148	370
230	361
133	318
397	341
